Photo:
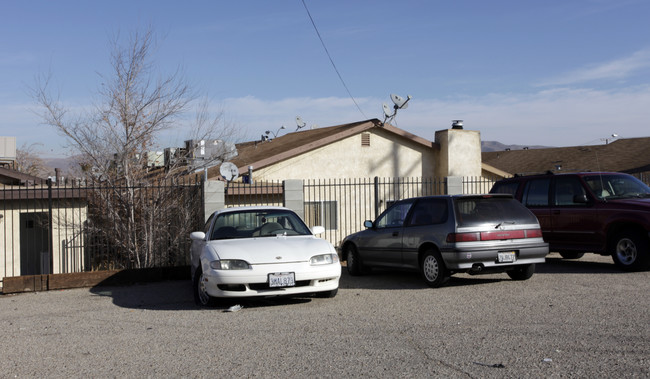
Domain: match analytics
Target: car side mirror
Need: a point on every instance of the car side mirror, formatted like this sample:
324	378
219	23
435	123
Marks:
197	236
580	199
317	230
368	224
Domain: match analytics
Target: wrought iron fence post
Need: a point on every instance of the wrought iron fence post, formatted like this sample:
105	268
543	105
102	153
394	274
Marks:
50	231
376	197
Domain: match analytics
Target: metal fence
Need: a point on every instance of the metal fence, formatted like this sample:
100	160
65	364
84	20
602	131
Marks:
76	227
342	205
258	193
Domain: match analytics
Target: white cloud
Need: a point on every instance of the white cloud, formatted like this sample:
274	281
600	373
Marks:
616	69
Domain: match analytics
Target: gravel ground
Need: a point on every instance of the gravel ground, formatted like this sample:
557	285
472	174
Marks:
578	318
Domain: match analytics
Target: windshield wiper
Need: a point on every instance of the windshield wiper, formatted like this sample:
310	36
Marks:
504	222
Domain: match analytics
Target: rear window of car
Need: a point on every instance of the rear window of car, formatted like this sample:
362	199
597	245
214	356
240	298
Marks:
536	193
475	211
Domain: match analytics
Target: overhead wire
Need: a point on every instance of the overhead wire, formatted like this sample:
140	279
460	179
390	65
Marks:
331	60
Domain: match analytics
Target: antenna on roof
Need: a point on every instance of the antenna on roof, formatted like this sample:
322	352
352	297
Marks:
399	103
274	134
301	124
613	137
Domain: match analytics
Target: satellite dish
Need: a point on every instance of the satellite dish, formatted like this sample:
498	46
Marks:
400	102
229	171
300	122
387	110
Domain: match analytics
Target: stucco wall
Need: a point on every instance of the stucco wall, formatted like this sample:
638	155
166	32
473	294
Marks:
387	156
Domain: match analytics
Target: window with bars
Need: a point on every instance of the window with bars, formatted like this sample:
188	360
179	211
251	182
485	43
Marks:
321	213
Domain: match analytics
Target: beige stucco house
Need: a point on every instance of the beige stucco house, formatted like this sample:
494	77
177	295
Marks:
28	247
327	173
359	150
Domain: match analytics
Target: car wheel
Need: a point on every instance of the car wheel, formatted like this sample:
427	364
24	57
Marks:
433	269
631	251
201	297
571	255
523	272
353	261
327	294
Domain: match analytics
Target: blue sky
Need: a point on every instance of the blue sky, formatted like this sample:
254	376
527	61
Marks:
554	73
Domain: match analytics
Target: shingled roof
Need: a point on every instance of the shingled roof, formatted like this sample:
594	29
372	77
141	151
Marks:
261	154
631	155
13	177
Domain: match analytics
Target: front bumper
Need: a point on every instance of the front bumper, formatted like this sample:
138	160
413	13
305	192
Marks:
254	282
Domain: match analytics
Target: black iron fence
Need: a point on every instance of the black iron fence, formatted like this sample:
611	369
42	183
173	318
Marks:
342	205
77	227
258	193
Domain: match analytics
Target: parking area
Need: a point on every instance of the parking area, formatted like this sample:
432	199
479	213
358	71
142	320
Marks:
580	318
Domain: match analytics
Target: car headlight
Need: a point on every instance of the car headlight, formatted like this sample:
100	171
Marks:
229	264
323	259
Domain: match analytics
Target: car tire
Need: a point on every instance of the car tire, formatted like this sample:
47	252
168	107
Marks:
571	255
201	297
433	269
631	251
523	272
327	294
354	265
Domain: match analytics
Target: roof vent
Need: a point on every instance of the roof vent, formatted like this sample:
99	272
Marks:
457	124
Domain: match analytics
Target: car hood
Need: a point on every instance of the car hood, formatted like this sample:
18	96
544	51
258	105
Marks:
278	249
634	202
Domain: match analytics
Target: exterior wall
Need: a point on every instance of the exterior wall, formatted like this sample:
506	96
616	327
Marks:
460	153
387	156
67	253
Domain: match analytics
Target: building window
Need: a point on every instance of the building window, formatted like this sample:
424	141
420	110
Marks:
321	213
365	139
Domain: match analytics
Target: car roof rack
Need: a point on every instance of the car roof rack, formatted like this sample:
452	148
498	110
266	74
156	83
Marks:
548	172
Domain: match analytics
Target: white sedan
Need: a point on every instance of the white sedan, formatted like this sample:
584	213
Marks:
261	251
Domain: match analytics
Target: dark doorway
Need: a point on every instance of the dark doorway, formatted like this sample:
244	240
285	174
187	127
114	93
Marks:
34	246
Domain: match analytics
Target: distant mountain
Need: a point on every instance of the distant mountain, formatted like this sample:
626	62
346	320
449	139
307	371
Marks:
498	146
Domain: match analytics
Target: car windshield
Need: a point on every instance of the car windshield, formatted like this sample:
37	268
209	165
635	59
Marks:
258	223
497	211
610	186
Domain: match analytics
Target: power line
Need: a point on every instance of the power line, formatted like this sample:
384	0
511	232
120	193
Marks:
332	61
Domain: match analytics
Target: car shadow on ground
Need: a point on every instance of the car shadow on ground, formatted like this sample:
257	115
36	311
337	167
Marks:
589	264
386	279
177	295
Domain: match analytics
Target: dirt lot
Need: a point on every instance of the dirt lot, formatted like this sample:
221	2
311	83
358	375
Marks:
573	319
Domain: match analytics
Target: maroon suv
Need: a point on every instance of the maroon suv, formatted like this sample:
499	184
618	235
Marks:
601	212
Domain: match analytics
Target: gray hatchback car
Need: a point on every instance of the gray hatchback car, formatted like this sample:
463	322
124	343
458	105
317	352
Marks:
443	235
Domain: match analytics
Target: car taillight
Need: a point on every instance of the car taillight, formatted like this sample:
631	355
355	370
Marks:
463	237
494	235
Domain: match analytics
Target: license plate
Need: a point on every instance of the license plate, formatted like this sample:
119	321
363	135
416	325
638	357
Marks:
282	279
508	257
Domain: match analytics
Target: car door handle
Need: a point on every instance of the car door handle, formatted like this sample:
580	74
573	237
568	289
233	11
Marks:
395	234
556	212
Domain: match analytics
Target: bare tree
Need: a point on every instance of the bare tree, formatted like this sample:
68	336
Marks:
134	108
28	162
